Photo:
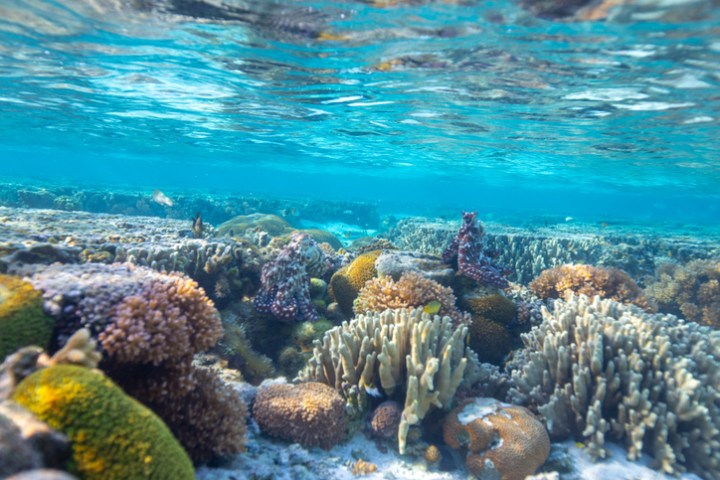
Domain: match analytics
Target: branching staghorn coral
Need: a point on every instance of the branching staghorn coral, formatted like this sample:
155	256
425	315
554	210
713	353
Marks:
406	354
597	368
691	291
567	280
412	290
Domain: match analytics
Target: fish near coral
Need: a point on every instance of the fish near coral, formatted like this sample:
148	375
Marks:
467	248
197	226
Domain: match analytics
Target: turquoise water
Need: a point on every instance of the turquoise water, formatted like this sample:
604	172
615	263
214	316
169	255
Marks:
415	106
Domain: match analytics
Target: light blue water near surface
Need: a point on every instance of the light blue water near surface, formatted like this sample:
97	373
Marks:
476	105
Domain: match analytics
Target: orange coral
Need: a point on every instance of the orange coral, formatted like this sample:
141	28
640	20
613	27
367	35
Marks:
612	283
347	282
690	291
505	441
311	414
412	290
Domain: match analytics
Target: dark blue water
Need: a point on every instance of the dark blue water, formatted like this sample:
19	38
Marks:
416	106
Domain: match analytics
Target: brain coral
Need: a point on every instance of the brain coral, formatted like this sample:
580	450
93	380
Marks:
691	291
597	368
502	441
22	321
311	414
113	436
566	280
412	290
347	282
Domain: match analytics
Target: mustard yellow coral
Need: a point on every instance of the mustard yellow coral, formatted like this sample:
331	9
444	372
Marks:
495	307
564	281
22	321
113	436
347	282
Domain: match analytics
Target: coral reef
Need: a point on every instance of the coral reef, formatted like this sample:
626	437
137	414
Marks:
385	420
22	321
236	348
495	306
491	340
346	283
502	441
567	280
112	435
311	414
395	263
413	290
285	290
597	368
413	356
237	226
467	248
691	291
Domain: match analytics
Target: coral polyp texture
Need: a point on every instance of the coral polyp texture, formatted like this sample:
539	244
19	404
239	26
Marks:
347	282
414	357
467	248
22	321
412	290
567	280
499	440
311	414
113	436
285	290
598	369
691	291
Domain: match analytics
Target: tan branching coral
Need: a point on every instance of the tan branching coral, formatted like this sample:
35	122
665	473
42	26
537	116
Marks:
691	291
597	369
311	414
397	351
412	290
566	280
80	349
168	318
502	441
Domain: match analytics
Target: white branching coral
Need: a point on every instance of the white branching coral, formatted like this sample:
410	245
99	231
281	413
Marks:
597	368
396	351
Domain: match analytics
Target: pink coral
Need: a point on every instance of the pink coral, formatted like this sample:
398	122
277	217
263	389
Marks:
472	262
285	290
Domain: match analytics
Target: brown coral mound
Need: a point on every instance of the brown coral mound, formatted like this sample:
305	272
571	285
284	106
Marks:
690	291
412	290
311	414
566	280
502	441
495	307
347	282
169	318
491	340
385	420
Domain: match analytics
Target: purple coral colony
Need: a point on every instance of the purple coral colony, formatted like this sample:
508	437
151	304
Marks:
240	343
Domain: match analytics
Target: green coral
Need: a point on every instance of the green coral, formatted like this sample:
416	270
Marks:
113	435
236	226
22	321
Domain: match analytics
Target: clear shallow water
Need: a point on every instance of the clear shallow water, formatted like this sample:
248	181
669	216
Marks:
472	105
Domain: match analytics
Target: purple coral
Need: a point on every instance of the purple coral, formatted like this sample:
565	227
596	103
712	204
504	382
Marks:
285	289
472	262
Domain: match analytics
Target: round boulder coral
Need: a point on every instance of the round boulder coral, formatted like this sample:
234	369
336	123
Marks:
347	282
311	414
113	436
491	340
22	321
495	307
501	441
385	420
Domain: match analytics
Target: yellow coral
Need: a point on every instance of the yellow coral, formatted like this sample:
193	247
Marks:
22	321
347	282
495	307
113	436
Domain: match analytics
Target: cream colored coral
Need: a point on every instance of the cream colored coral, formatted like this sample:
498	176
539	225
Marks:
597	369
80	349
395	349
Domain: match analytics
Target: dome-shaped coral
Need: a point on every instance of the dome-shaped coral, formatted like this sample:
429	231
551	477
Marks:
385	420
564	281
413	290
22	321
502	441
347	282
311	414
491	340
113	436
495	307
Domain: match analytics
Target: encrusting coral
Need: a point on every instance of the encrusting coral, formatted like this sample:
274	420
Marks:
691	291
411	355
311	414
467	248
502	441
597	368
413	290
113	436
22	321
285	290
567	280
